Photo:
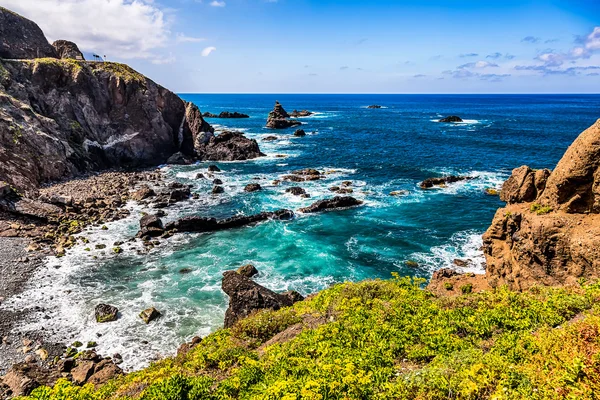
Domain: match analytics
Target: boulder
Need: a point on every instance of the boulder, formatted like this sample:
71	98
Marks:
270	139
217	182
179	159
218	189
252	187
300	133
143	193
279	118
205	224
22	38
337	202
524	185
451	119
151	225
246	297
295	190
300	114
149	315
83	370
228	146
106	313
67	50
213	168
443	181
247	270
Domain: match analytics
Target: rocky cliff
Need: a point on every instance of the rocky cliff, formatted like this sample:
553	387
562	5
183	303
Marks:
549	231
21	38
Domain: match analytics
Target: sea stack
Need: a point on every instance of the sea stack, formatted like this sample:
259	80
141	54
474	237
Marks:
279	118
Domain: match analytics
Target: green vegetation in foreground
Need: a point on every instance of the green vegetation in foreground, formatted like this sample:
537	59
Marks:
387	340
539	209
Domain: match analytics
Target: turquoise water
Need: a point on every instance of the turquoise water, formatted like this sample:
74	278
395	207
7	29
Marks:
379	150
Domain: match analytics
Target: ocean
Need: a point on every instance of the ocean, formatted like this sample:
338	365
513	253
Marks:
380	150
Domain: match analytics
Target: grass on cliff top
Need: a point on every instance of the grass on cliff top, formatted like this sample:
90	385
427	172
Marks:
123	71
387	340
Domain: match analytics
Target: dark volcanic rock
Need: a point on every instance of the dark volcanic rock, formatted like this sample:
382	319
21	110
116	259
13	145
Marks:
213	168
296	191
331	204
150	314
226	114
179	159
151	225
228	146
374	106
247	270
443	181
205	224
247	296
67	50
252	187
300	133
21	38
278	118
302	113
452	118
270	138
106	313
218	189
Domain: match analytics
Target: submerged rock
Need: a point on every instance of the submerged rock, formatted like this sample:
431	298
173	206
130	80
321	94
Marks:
337	202
443	181
279	118
106	313
451	118
247	296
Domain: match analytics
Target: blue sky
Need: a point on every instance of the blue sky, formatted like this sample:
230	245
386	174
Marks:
307	46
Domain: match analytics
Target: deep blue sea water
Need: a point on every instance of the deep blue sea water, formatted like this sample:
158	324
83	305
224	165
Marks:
379	150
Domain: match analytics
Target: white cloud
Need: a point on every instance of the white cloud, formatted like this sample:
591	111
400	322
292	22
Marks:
164	60
206	52
593	40
217	3
182	38
478	65
117	28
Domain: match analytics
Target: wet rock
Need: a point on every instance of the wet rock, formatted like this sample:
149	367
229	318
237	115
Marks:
270	139
151	225
300	114
205	224
337	202
228	146
247	270
217	182
252	187
399	193
213	168
246	296
452	119
278	118
67	50
374	106
143	193
300	133
443	181
179	159
106	313
295	190
218	190
149	315
200	175
225	114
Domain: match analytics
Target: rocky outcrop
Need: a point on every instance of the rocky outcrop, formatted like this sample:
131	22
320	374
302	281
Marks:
225	114
451	119
21	38
374	106
228	146
67	50
524	185
105	313
60	117
549	232
205	224
443	181
279	118
299	133
151	225
150	314
301	114
247	296
252	187
337	202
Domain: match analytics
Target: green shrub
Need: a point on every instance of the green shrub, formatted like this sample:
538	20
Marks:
539	209
466	288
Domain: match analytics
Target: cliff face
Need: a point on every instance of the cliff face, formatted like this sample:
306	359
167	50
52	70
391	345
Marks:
60	118
21	38
549	232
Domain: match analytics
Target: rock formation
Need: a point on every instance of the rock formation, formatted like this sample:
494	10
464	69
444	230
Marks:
67	50
60	118
451	119
225	114
549	232
247	296
443	181
279	118
21	38
374	106
227	146
300	114
337	202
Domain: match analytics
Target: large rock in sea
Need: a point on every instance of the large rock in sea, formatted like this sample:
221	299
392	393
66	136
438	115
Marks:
338	202
549	232
62	118
451	119
227	146
206	224
443	181
21	38
279	118
247	296
67	50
